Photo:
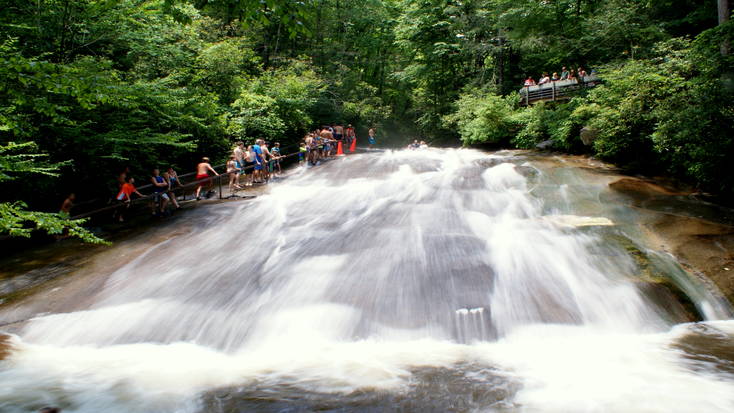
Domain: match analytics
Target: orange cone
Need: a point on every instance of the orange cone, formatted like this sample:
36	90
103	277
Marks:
353	146
339	151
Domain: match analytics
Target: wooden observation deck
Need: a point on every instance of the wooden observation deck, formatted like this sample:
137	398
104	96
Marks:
556	90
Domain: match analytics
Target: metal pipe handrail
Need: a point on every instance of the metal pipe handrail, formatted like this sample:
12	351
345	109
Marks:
183	187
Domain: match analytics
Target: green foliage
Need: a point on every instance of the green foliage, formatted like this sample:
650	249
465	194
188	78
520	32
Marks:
15	161
277	104
488	118
17	221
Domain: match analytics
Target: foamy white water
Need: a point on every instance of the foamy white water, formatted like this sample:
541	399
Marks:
392	277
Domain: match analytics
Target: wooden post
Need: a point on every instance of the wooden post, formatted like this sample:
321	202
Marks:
527	95
554	90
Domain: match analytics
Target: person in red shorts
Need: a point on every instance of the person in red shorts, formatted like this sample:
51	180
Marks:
202	174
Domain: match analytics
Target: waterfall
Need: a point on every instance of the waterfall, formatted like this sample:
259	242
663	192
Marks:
358	275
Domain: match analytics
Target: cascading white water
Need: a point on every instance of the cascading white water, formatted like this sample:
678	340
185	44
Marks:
355	276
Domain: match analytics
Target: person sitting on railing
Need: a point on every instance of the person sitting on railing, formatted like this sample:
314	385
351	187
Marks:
571	75
544	79
171	182
564	73
160	193
529	81
555	77
202	175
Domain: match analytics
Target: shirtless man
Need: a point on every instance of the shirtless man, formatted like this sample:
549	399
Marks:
239	158
68	204
338	132
267	157
371	140
326	137
202	174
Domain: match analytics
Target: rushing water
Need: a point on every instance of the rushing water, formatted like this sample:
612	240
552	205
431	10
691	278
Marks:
437	280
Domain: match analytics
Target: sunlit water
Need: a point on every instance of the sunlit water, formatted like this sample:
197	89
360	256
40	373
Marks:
414	280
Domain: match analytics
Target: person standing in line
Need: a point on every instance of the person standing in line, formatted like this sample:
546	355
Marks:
171	194
67	205
125	195
267	159
239	158
350	135
175	184
276	157
258	173
122	177
302	153
371	139
338	134
160	193
202	175
249	169
326	136
310	148
233	170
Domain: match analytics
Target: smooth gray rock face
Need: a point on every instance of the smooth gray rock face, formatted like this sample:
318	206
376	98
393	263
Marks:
545	144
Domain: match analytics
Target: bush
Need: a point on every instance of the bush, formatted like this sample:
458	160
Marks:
481	119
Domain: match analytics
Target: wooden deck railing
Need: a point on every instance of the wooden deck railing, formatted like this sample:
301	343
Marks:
556	90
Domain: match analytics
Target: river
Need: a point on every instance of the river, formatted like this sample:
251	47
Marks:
431	280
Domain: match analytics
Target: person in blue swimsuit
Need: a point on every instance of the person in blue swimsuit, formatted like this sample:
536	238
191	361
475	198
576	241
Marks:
257	175
371	139
160	192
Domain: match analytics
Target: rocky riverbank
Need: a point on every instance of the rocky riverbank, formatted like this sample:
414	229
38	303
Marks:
699	234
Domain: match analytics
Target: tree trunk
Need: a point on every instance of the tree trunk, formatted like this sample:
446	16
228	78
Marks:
724	13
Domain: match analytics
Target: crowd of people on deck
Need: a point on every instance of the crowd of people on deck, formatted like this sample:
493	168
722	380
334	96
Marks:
566	74
246	166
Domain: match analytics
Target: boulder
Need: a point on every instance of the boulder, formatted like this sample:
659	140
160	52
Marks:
545	144
638	188
588	135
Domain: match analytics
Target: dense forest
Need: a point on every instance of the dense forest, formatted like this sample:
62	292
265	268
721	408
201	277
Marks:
89	87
